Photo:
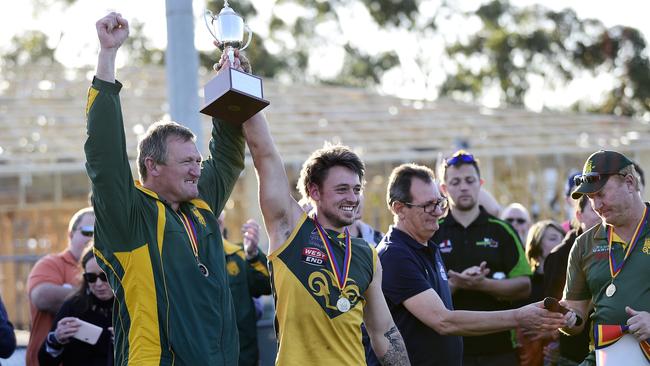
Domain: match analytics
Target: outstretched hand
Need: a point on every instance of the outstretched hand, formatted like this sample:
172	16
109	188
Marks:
112	31
535	317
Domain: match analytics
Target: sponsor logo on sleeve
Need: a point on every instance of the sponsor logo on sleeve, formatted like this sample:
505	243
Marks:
646	246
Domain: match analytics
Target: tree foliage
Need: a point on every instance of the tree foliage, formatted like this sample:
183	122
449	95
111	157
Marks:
515	43
512	46
29	47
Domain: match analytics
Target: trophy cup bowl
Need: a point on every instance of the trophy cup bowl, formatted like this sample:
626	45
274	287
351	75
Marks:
232	95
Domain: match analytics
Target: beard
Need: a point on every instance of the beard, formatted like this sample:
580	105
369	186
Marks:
334	219
465	205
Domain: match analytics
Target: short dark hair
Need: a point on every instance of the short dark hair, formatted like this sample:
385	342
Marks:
154	143
399	182
316	167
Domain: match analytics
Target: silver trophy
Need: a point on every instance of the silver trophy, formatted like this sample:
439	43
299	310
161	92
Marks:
228	28
232	95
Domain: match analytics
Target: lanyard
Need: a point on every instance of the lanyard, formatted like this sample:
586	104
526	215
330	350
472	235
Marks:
191	233
341	274
615	267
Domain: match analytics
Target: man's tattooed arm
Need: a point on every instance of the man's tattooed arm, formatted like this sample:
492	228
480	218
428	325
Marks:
396	354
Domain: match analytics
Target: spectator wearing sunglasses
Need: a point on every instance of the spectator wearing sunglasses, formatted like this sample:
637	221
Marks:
414	278
92	303
53	278
609	264
468	238
517	215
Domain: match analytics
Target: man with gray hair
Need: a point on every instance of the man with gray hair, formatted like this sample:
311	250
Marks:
415	283
158	240
609	264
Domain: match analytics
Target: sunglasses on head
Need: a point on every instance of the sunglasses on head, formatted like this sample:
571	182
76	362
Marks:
518	220
88	230
92	277
592	177
460	158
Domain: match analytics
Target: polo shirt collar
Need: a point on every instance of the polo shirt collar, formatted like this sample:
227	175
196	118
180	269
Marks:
403	237
481	219
69	257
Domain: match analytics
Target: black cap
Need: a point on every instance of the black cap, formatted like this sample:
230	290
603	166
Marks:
605	163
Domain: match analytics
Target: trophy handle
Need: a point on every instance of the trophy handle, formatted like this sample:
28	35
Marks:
209	14
250	37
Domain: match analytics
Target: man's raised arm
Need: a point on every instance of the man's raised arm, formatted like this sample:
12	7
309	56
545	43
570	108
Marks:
107	162
281	212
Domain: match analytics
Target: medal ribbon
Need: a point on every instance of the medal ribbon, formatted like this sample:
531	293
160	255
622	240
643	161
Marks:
605	335
191	233
341	276
614	267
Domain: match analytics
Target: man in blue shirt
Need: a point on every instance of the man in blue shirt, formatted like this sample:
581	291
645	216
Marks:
415	283
7	335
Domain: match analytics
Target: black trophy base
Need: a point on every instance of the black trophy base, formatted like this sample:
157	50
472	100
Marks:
234	96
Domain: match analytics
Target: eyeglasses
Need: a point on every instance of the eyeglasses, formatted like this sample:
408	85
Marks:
518	220
87	230
431	206
460	157
592	177
92	277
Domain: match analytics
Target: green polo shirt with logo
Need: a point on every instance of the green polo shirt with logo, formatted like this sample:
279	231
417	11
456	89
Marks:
588	275
166	311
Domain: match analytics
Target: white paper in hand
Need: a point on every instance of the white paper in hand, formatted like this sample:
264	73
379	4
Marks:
88	332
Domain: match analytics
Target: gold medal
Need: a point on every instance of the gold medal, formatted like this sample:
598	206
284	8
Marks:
610	290
343	304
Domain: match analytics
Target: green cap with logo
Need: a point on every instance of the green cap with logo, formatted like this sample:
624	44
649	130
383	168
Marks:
598	168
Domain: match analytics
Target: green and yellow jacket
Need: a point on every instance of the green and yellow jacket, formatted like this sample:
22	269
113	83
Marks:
166	312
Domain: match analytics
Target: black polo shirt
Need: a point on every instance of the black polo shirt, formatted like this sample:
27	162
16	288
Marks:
410	268
486	239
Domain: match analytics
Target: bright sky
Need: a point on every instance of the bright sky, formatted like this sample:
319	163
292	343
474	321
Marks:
77	43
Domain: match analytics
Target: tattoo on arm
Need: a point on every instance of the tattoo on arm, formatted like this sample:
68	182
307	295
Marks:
396	354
